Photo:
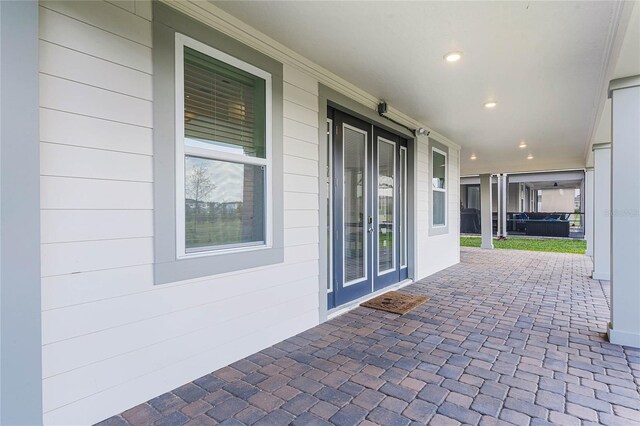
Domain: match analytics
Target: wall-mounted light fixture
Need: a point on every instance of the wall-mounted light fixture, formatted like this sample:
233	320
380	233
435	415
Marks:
382	110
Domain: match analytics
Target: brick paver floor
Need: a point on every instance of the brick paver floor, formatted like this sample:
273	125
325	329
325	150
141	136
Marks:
506	337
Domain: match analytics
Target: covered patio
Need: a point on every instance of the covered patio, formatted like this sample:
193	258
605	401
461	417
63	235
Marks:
196	197
507	337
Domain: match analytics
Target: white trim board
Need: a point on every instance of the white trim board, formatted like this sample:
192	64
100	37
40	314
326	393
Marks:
222	21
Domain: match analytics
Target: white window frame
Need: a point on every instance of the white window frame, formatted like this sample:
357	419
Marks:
365	195
377	213
443	190
404	185
201	150
330	202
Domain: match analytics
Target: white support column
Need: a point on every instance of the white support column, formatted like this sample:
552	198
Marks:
601	212
588	210
624	328
503	189
486	212
498	213
505	203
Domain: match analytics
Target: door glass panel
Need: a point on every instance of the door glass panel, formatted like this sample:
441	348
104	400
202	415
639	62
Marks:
386	205
403	207
355	209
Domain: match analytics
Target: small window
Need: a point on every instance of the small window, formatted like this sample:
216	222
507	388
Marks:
223	151
439	183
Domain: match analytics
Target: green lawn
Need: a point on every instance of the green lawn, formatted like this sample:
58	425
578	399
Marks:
532	244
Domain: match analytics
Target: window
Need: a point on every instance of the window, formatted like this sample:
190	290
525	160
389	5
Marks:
223	146
473	197
439	187
218	189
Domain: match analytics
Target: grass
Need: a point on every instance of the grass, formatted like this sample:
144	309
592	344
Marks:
531	244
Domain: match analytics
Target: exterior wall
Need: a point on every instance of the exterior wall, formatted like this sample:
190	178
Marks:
110	338
558	200
440	251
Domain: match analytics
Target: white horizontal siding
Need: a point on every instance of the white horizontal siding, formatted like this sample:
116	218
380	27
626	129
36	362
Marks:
304	132
300	113
88	380
301	149
83	319
300	201
94	163
69	96
300	166
68	290
80	67
128	5
296	183
299	96
300	218
301	80
303	235
67	355
103	15
79	130
90	225
111	400
77	35
73	193
72	258
143	8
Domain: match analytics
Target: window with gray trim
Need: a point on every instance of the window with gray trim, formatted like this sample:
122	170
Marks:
217	141
439	187
223	151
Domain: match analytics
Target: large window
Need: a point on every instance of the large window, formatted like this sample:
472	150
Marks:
439	187
222	151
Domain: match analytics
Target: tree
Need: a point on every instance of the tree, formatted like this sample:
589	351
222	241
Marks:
198	188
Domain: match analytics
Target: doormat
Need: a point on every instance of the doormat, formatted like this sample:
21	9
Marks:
396	302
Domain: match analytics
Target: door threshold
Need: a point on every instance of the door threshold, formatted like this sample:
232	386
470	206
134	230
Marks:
343	309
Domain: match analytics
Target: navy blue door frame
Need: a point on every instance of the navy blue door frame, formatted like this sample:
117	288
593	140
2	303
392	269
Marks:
366	227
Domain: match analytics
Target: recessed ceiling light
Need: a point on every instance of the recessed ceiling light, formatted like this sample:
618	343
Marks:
529	157
473	157
523	144
453	56
490	104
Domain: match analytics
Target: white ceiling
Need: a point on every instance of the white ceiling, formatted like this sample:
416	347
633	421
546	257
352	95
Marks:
543	62
626	64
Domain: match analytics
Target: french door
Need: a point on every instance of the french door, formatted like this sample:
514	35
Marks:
368	208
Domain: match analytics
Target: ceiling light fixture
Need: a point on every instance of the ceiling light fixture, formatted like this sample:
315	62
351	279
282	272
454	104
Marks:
473	157
529	157
490	104
522	145
453	56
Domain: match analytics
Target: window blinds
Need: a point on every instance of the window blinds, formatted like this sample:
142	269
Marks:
223	105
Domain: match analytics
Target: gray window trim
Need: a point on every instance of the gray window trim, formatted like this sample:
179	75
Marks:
20	281
438	230
329	97
168	268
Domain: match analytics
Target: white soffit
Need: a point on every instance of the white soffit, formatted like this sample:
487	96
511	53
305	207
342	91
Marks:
542	61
